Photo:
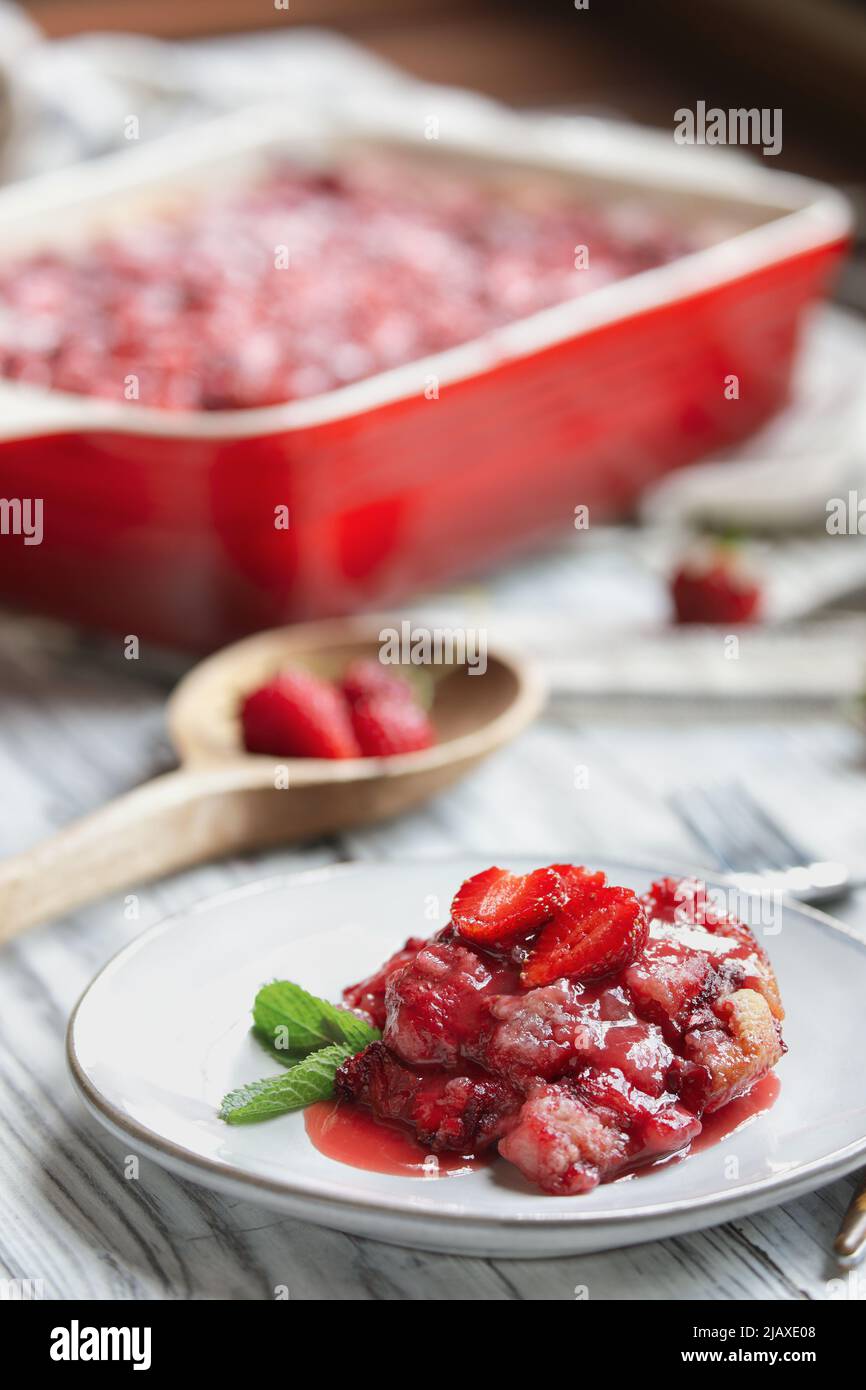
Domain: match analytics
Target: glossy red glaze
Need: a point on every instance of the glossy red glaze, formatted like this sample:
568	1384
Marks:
351	1135
719	1126
737	1114
575	1082
172	537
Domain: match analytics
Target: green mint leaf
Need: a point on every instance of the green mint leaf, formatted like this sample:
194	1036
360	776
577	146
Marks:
310	1080
296	1023
274	1049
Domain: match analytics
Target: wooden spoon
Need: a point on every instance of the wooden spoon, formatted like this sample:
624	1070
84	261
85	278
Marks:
223	800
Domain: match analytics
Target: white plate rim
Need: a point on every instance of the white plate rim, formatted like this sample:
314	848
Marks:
714	1208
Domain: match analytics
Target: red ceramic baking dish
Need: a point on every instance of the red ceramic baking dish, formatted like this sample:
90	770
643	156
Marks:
161	523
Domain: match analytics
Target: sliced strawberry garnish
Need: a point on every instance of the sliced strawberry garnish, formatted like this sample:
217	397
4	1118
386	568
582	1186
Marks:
575	877
599	931
495	905
387	724
297	715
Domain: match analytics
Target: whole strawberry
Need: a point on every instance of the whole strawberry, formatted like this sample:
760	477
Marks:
367	677
297	715
714	587
388	724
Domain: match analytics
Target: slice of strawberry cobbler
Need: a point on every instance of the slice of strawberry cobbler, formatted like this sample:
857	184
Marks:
583	1030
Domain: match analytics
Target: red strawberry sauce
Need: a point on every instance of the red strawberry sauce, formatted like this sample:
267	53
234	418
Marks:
574	1080
351	1135
737	1114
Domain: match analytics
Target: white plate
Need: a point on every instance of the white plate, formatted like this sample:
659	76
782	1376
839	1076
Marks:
162	1033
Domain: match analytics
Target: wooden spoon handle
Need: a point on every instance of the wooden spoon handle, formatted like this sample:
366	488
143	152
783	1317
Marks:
178	819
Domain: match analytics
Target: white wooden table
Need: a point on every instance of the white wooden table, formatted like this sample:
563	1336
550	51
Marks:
74	733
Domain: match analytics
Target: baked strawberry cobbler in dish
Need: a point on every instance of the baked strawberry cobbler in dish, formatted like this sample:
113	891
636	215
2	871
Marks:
582	1030
304	281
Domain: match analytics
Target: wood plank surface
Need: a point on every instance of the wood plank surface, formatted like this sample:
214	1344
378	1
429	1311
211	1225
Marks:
72	735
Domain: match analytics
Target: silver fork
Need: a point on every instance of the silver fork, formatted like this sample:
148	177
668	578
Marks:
752	849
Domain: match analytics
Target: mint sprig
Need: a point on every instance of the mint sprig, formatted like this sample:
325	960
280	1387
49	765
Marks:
294	1023
311	1080
275	1049
310	1037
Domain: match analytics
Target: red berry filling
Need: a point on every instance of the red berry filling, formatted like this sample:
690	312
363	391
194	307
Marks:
601	1056
301	282
368	996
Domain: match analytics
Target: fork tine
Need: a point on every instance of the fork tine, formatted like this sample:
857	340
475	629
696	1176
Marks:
785	850
692	812
731	834
729	822
748	848
745	841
